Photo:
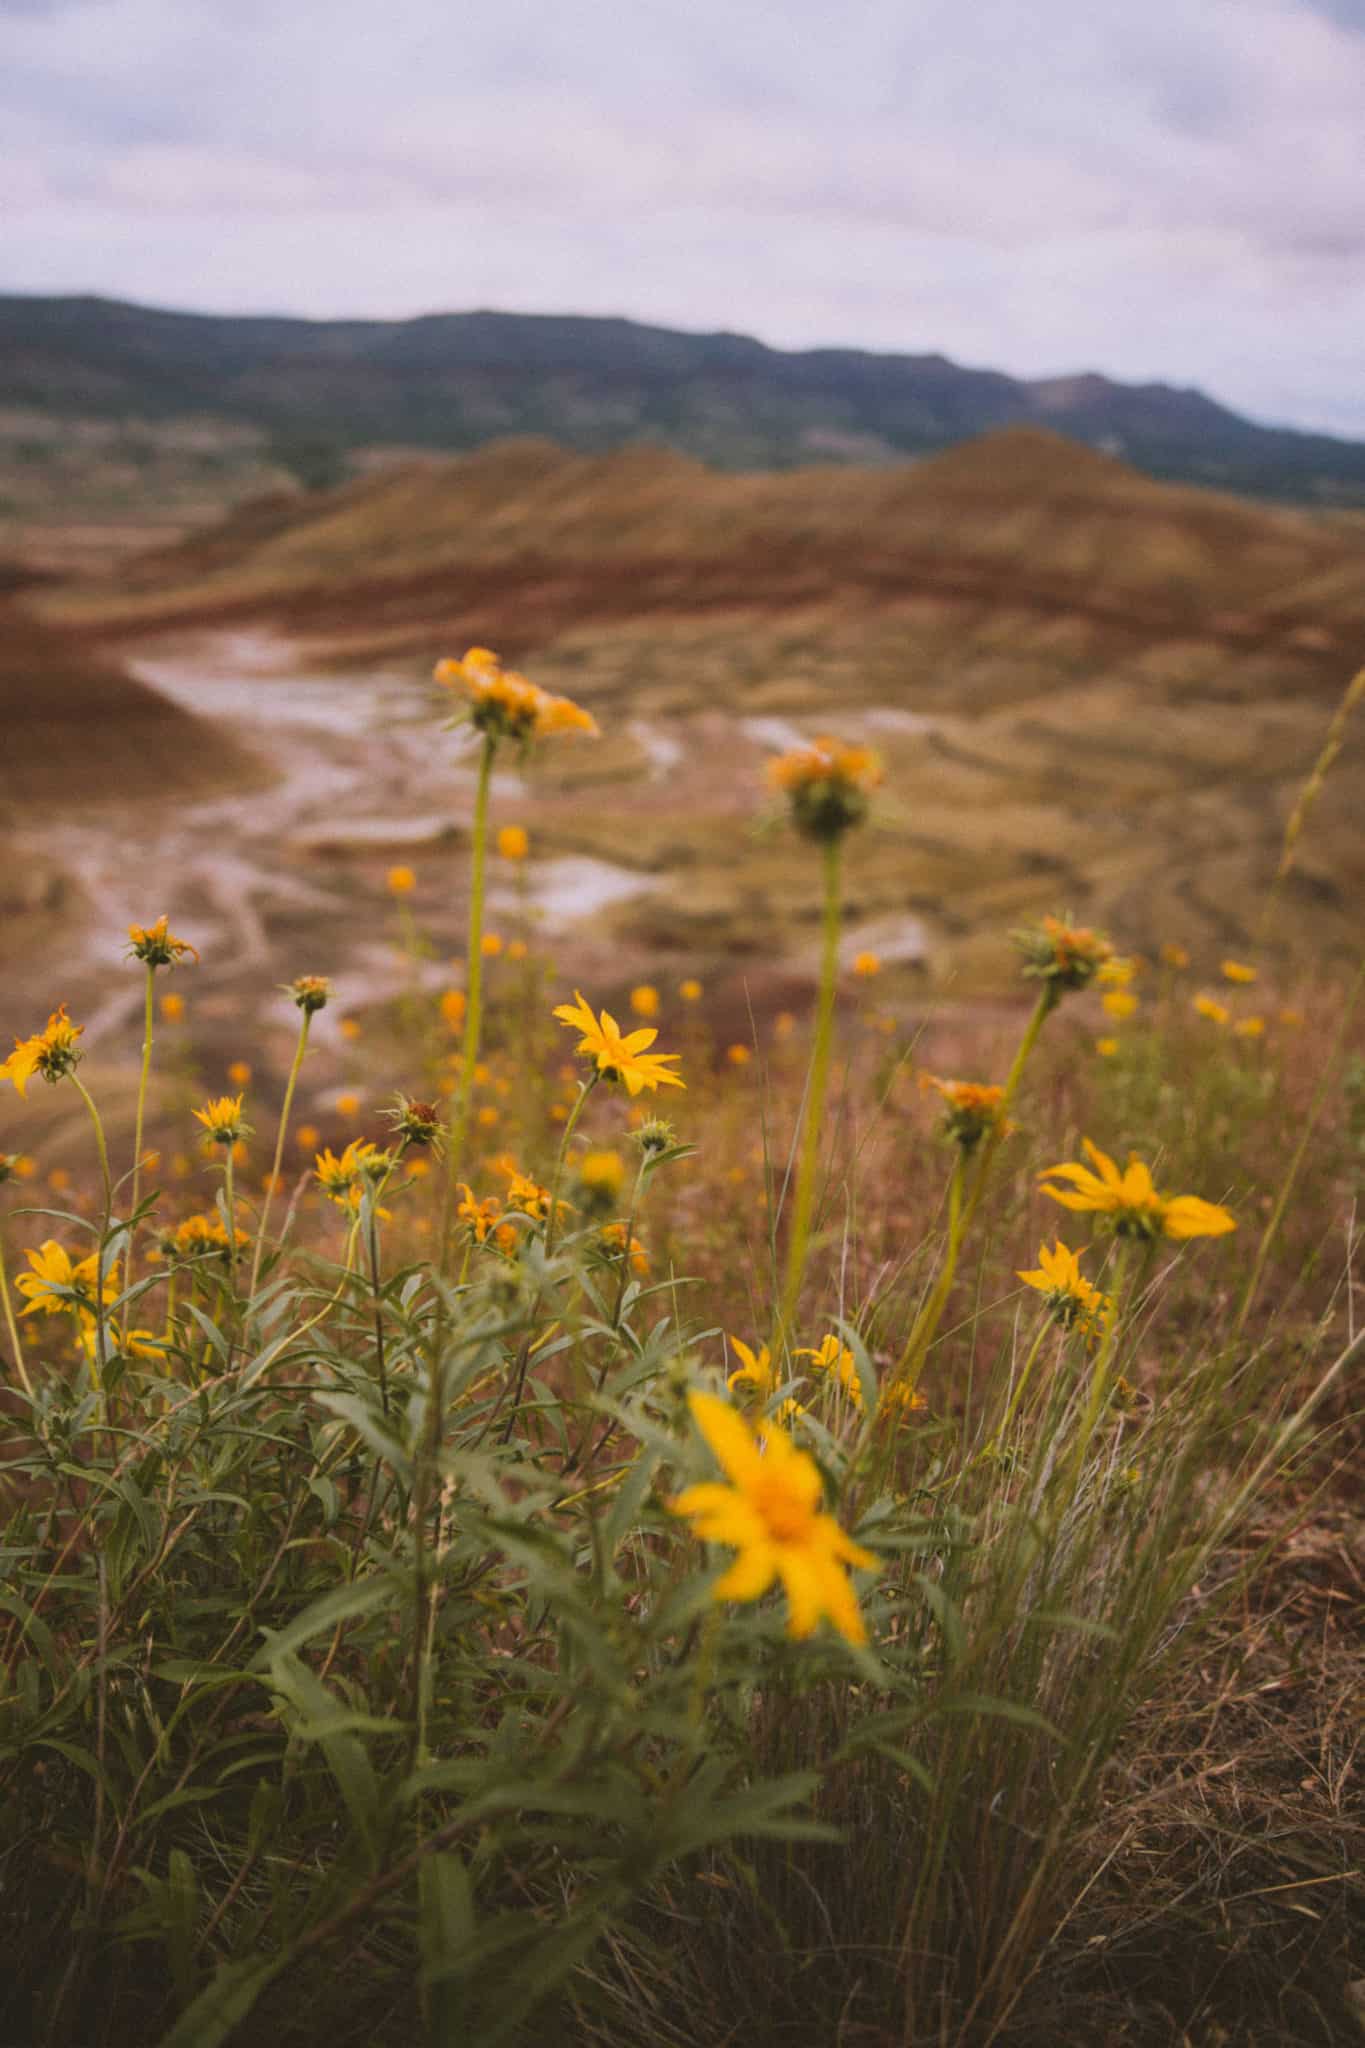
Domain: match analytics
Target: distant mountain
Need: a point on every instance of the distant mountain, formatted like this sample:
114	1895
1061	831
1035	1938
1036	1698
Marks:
321	391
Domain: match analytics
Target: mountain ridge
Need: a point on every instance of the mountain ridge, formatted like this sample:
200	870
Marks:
449	382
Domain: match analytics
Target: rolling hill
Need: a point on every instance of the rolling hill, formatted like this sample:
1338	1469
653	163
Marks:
1093	691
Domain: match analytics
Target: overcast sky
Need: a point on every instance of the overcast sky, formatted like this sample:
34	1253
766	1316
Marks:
1155	188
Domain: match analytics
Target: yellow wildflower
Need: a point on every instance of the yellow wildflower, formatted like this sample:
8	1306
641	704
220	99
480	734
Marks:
60	1285
612	1242
644	1000
221	1117
755	1373
517	949
1174	956
1062	955
1074	1301
1131	1201
339	1177
506	705
616	1058
1119	1003
771	1512
401	881
157	945
478	1217
51	1052
1237	971
454	1003
200	1235
1249	1027
528	1196
690	990
1106	1047
838	1363
514	842
900	1396
1117	972
239	1073
828	784
974	1107
490	945
603	1172
311	992
739	1055
171	1006
1210	1007
867	964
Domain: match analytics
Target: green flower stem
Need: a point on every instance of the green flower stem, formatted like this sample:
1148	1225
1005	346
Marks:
585	1089
1048	999
1099	1375
518	1380
286	1106
376	1197
963	1206
12	1326
147	1021
910	1364
631	1214
473	1016
798	1243
101	1339
230	1204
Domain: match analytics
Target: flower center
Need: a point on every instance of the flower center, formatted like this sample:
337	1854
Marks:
787	1516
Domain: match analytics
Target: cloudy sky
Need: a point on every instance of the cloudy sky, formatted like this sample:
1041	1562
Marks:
1156	188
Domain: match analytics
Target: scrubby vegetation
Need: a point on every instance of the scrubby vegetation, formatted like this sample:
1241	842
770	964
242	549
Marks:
639	1541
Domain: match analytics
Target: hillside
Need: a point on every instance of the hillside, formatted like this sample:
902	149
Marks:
525	538
313	396
79	727
1092	690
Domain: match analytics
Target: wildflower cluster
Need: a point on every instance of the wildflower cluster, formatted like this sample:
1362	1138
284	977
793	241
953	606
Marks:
1075	1302
502	704
827	784
51	1052
157	946
1061	955
972	1109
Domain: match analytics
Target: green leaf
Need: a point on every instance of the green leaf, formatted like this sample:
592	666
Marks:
223	2003
347	1758
343	1603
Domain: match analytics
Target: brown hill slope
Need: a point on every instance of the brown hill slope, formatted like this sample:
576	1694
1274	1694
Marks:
1017	517
77	727
1093	691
